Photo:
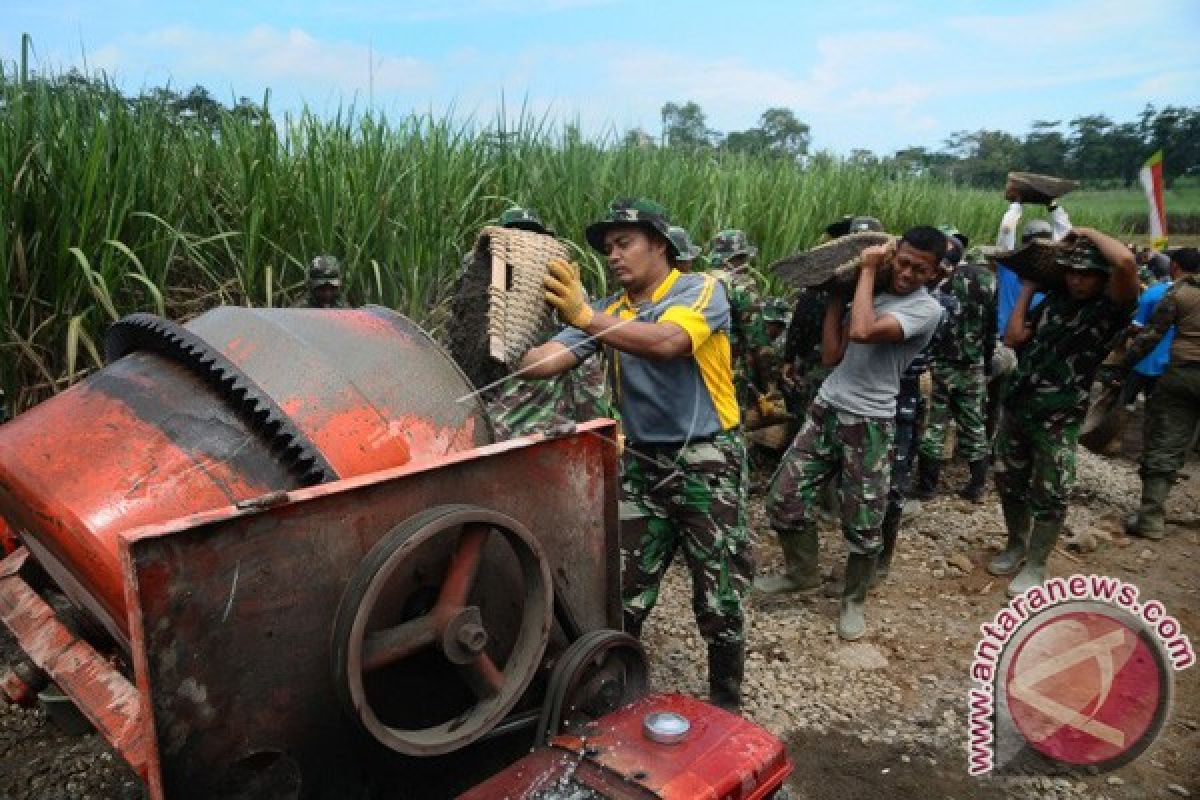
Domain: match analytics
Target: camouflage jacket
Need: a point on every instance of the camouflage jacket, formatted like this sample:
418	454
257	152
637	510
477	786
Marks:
970	333
745	306
1056	367
1179	308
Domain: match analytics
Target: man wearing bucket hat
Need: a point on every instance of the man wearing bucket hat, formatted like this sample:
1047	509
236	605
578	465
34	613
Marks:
1060	346
729	259
688	252
683	467
521	407
958	367
324	283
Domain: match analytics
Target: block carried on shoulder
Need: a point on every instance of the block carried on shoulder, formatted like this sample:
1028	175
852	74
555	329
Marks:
1042	189
500	309
1047	263
833	262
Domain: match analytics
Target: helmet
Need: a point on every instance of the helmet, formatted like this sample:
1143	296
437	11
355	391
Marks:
683	243
775	309
1036	229
639	212
523	219
324	271
728	244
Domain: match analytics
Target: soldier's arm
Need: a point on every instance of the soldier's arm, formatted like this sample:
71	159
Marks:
1123	283
833	332
1019	331
547	360
985	286
1161	320
866	326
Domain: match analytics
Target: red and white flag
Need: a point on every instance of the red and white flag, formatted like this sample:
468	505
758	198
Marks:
1151	178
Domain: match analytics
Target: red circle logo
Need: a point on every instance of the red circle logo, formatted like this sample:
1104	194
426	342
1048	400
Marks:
1087	685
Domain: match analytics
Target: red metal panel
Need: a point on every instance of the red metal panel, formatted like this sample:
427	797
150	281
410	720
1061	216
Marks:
231	611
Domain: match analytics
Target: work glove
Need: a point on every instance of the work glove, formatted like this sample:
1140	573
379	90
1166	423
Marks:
564	291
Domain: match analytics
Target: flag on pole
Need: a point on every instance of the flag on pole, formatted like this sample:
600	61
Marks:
1151	178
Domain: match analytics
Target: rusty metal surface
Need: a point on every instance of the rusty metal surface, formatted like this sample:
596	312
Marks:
231	611
102	693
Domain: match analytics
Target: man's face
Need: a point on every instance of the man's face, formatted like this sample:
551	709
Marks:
325	295
1084	284
912	269
636	258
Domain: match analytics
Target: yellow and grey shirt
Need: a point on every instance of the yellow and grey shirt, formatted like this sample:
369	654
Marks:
679	399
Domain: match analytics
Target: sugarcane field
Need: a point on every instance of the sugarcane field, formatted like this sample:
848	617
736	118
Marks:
589	400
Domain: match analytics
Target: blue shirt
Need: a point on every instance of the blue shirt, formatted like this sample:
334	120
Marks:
1008	289
1154	364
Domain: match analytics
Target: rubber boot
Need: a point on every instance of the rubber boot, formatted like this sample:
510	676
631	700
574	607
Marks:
928	472
1016	519
852	622
800	572
1041	541
633	625
976	487
890	530
1151	519
726	665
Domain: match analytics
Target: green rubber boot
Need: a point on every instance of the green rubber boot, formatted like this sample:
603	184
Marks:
800	572
852	622
1150	522
1016	520
890	531
1041	541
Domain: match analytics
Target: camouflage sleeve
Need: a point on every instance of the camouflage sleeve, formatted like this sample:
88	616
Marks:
1160	322
986	286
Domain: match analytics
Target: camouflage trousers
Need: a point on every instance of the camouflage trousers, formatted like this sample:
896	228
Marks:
1172	415
692	499
904	454
800	397
961	395
1035	463
526	406
855	449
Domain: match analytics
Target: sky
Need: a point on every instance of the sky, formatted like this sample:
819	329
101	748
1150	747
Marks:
873	75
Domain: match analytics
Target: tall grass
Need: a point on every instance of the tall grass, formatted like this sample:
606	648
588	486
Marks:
110	207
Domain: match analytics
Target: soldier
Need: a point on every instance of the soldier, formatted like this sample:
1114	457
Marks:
688	252
960	363
1060	345
1173	410
521	406
850	426
325	283
729	260
683	481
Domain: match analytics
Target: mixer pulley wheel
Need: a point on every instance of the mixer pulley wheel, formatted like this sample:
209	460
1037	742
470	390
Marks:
597	674
417	609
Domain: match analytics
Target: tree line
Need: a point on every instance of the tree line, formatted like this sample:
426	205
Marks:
1092	148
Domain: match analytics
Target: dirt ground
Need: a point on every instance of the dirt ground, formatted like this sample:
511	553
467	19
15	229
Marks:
880	718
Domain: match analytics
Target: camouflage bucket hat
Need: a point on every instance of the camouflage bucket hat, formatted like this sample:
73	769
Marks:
683	243
775	310
639	212
1083	256
325	271
523	219
730	243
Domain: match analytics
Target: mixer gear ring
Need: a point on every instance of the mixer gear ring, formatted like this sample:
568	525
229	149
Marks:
173	341
598	673
427	610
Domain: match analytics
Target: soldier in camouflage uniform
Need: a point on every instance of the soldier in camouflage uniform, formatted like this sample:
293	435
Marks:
688	252
850	426
959	369
1060	345
324	283
729	261
521	407
684	464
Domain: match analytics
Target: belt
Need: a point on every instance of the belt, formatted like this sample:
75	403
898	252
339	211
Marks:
665	446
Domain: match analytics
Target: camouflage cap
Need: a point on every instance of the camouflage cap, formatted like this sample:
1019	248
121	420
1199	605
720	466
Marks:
683	243
523	219
775	309
638	212
1083	256
325	271
730	243
1036	229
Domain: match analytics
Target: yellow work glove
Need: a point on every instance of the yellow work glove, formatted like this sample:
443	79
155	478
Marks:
564	291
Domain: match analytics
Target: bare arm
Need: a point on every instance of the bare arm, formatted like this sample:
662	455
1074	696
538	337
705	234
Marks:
867	327
1018	331
547	360
654	340
1123	283
833	332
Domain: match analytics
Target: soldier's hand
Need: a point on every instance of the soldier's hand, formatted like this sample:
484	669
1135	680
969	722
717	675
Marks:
564	291
875	256
787	374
